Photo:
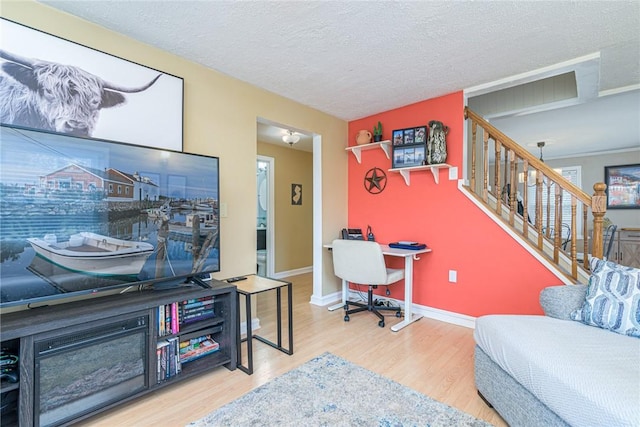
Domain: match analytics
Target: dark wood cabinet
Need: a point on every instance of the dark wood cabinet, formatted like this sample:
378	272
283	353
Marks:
44	339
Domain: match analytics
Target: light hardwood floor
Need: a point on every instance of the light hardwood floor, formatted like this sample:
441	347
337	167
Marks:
432	357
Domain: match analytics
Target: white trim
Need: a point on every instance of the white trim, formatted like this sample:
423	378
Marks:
593	153
271	211
426	311
618	90
255	325
529	76
326	300
318	249
295	272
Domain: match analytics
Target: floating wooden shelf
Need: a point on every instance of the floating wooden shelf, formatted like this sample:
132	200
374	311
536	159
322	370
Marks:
357	149
435	170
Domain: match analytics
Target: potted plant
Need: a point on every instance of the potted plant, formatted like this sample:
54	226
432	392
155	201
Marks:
377	132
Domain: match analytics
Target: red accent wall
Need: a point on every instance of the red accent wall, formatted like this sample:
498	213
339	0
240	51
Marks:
495	274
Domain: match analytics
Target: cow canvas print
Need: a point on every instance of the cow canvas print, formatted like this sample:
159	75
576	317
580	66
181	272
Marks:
51	84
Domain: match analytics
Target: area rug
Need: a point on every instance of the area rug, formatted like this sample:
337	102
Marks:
331	391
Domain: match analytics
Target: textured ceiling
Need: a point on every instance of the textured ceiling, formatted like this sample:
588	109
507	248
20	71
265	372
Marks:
356	58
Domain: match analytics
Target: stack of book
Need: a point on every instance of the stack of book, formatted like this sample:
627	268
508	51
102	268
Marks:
168	322
195	310
195	348
168	359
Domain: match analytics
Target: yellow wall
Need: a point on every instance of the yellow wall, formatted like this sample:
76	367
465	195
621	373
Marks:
220	115
293	223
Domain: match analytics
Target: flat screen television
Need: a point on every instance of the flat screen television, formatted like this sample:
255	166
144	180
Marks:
82	216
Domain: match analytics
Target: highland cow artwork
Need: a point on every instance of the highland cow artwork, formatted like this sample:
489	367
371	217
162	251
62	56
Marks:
51	84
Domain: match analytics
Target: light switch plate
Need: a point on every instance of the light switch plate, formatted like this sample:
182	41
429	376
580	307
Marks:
453	173
223	210
453	276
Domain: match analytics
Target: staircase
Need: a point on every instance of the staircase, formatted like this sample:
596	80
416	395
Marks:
500	173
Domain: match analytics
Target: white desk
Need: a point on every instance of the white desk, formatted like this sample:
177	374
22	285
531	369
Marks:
408	255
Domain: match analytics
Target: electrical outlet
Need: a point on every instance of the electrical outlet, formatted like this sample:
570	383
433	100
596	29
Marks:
453	276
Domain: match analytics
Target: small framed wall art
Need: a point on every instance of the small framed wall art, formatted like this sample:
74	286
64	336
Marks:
623	186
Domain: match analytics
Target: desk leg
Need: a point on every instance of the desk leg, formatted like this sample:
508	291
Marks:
345	293
409	317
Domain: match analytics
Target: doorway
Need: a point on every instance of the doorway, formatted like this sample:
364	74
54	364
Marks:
265	254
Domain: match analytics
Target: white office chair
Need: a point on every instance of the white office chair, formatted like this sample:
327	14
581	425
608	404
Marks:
362	262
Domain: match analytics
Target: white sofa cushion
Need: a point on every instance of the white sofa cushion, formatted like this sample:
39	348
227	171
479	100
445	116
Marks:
588	376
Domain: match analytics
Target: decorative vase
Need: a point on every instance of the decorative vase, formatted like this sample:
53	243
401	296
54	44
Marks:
437	143
363	137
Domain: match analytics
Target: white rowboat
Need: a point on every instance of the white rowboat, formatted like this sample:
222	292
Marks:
94	254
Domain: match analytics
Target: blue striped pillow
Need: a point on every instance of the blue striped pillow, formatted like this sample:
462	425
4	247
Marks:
613	298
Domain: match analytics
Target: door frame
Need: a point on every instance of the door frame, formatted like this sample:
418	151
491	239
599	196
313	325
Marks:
271	223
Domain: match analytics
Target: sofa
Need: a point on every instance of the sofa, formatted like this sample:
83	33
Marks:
576	365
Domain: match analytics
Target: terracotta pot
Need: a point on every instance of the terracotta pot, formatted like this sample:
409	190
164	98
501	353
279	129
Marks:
363	137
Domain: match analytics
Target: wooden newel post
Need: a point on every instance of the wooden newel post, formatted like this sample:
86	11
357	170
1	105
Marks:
598	209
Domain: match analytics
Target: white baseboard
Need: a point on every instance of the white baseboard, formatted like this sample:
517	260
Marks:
255	325
326	300
426	311
284	274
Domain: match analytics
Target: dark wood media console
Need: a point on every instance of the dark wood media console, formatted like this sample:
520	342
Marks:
59	340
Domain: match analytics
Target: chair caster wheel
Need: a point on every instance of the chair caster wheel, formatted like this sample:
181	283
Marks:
346	318
398	314
381	323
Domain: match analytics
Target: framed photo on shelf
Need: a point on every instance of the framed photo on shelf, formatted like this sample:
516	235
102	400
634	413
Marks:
405	156
398	137
421	135
409	136
623	186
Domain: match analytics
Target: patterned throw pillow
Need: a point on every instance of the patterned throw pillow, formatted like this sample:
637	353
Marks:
613	298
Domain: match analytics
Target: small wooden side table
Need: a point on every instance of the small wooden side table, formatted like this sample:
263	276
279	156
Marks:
254	285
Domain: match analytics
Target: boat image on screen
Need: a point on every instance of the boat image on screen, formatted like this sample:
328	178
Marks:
95	254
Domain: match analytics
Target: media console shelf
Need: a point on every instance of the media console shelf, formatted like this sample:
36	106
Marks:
406	172
357	149
83	357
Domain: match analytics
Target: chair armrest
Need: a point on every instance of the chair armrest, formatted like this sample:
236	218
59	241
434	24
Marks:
560	301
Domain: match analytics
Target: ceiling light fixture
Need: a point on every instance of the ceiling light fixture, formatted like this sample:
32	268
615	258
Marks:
291	138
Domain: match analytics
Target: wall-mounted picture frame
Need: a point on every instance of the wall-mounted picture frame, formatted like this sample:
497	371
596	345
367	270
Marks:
119	101
420	135
623	186
409	155
296	194
398	137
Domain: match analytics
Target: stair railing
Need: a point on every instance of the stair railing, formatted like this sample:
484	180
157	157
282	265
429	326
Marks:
504	171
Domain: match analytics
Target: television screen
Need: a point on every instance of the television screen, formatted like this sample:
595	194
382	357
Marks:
79	216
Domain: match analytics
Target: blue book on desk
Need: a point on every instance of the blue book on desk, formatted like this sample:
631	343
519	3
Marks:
408	245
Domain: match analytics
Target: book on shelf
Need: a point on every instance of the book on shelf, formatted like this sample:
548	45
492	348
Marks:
191	303
196	348
192	310
168	359
168	319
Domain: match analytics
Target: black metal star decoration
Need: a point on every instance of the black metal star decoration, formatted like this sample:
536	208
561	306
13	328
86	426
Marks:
375	180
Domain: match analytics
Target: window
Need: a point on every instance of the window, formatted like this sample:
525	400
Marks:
572	174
